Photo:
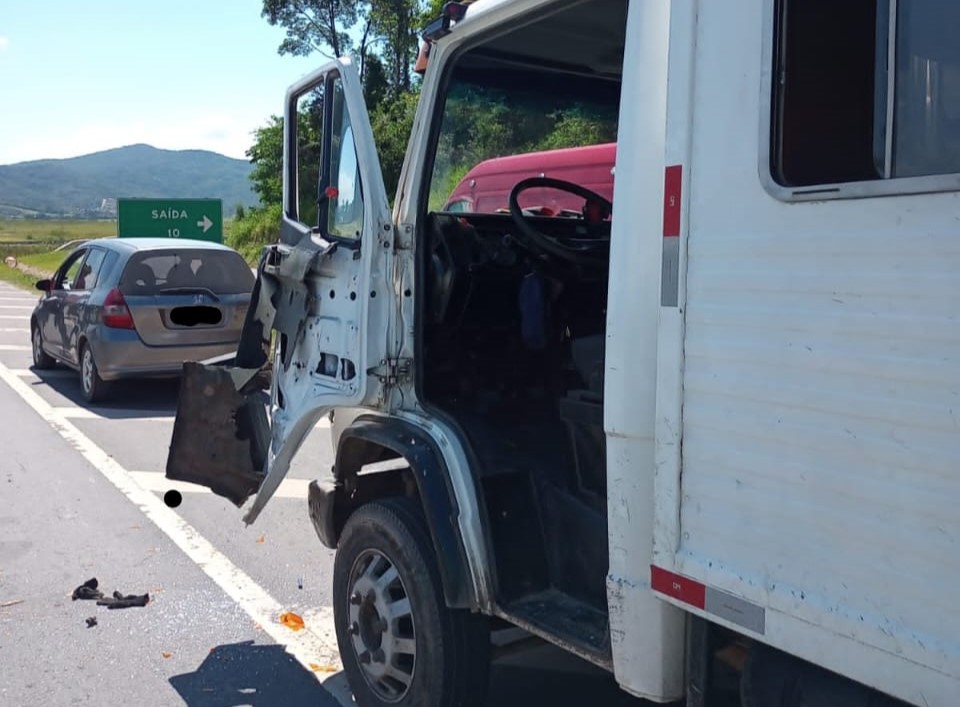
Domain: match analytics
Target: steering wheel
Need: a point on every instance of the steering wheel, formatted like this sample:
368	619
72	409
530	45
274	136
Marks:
576	250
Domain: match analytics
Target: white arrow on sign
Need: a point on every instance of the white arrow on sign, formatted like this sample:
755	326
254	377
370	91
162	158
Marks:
205	224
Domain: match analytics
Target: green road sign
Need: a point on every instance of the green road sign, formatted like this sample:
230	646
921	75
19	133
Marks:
170	218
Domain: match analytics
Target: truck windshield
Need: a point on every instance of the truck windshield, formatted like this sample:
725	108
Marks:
492	111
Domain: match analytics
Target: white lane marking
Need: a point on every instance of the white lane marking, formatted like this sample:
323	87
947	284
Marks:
20	317
157	481
321	622
15	306
121	414
24	329
78	413
309	646
29	300
13	347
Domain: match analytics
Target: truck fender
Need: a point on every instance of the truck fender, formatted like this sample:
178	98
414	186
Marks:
372	439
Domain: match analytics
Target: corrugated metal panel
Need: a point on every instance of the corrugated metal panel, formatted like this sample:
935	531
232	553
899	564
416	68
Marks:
820	435
821	400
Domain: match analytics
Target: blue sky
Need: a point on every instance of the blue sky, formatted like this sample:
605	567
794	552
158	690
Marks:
78	77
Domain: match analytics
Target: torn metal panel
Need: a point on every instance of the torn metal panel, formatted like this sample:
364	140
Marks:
254	346
221	432
293	300
220	435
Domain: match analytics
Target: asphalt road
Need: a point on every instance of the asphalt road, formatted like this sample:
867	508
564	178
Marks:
81	492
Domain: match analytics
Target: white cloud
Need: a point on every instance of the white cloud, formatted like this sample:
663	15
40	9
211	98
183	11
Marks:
4	42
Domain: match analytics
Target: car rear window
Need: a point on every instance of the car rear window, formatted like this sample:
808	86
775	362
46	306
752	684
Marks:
223	272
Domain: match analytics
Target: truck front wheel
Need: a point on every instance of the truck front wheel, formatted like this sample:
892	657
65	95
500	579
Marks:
399	643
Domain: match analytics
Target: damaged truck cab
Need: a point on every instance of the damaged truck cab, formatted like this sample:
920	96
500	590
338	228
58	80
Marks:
315	321
700	434
330	333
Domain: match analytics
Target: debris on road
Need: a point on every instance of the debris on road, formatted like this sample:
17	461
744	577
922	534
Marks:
261	539
166	654
292	621
120	601
88	590
91	621
323	668
14	602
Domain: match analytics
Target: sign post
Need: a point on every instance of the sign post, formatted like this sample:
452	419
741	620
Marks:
201	219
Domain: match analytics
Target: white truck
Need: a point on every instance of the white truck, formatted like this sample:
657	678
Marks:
715	434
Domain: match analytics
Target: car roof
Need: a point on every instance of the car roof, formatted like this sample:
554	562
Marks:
546	160
131	245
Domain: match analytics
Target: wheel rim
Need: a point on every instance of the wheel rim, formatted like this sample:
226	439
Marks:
382	626
37	346
86	371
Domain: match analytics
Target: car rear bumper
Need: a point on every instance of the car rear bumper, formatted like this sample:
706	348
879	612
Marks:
120	353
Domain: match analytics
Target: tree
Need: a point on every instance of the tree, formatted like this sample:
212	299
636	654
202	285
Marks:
391	122
266	154
321	26
314	25
376	86
383	34
394	22
386	29
259	227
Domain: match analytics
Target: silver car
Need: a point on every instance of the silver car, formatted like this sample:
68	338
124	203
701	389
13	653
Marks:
139	307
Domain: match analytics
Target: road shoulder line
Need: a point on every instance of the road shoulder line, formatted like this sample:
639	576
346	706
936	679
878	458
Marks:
314	646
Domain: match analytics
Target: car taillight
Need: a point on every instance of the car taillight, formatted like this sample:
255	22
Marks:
116	314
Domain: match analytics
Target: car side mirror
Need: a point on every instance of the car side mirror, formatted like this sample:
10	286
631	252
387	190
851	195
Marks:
45	285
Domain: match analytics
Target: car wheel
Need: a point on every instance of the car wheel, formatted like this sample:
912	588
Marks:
41	359
399	643
93	386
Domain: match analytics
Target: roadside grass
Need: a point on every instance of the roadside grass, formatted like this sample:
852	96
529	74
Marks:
18	278
33	242
41	231
46	263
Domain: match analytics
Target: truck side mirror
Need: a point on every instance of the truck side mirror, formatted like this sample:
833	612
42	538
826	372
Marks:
45	285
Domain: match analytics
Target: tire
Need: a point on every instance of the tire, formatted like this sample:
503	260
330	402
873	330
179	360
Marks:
94	388
425	656
42	361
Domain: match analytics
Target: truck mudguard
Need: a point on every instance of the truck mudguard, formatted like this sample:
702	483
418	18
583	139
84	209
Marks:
330	504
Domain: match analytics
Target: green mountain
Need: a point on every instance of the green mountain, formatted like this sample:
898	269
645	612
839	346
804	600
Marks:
88	186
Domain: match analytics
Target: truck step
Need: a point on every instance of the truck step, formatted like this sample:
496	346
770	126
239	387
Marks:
566	622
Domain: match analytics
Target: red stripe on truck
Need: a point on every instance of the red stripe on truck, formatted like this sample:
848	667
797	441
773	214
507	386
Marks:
672	187
677	586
